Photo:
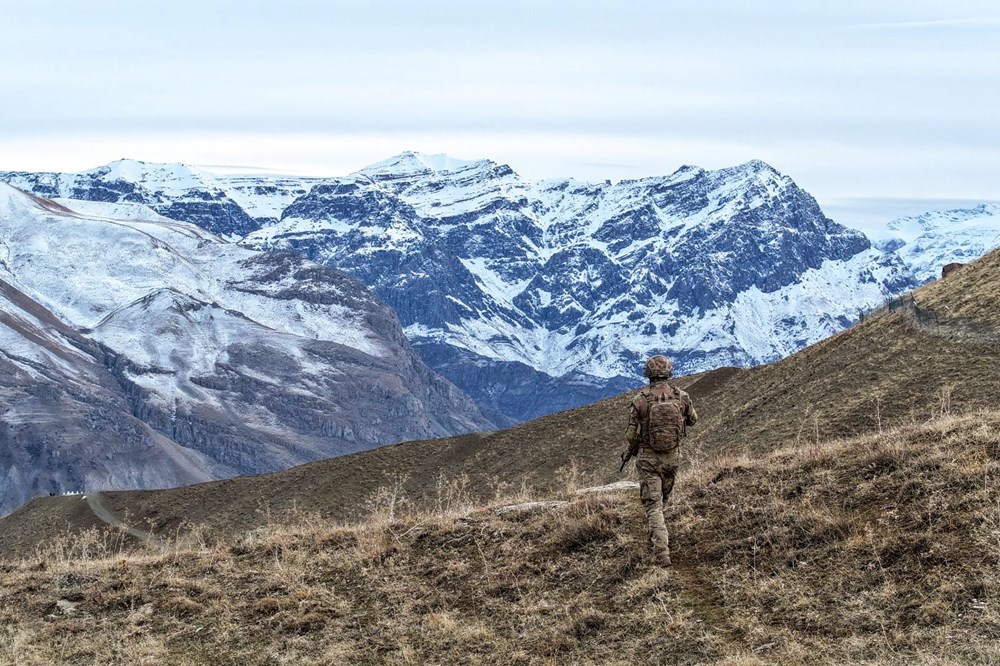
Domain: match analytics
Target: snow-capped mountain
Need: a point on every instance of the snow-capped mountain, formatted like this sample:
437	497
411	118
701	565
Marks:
580	281
929	241
538	296
139	351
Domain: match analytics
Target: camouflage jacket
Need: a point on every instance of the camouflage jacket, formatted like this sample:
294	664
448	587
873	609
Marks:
634	426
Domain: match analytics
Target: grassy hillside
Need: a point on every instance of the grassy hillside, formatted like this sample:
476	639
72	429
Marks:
574	446
969	295
874	549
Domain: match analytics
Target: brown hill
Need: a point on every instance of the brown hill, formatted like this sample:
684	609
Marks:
897	367
878	549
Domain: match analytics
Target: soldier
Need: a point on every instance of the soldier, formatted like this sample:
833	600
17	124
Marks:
658	419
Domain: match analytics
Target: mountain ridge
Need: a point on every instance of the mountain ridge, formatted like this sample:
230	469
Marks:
934	239
562	286
511	271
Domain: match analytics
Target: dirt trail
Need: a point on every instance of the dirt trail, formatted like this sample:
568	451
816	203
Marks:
708	605
706	601
96	505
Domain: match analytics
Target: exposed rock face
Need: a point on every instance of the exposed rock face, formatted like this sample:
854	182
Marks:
562	288
67	423
138	352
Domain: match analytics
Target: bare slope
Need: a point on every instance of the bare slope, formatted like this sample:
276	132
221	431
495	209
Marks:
878	549
884	372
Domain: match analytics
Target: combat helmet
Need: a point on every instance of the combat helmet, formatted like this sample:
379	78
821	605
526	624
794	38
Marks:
658	367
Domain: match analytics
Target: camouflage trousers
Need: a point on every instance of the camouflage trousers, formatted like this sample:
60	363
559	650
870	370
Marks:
657	472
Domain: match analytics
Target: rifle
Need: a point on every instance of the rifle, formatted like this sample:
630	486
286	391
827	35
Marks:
628	454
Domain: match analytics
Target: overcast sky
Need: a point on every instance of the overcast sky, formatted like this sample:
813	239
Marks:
858	101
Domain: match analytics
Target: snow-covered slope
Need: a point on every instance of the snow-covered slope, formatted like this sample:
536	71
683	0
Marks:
228	360
537	296
66	421
928	242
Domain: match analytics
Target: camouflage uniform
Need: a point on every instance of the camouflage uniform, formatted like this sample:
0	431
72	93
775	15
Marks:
657	471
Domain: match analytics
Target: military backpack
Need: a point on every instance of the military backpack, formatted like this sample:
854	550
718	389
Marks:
661	413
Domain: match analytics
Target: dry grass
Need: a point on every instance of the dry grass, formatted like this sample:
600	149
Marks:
876	549
969	294
879	547
531	587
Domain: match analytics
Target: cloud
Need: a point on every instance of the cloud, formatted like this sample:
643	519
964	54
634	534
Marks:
607	165
855	98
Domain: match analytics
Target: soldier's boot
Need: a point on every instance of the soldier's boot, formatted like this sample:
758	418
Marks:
661	546
659	539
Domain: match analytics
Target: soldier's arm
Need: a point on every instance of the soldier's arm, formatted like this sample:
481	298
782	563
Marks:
632	432
691	416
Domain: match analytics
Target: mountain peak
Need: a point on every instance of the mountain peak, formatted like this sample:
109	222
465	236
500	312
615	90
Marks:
754	175
412	162
756	166
753	169
137	171
747	170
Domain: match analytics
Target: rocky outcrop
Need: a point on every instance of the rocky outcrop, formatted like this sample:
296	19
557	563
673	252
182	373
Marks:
951	268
